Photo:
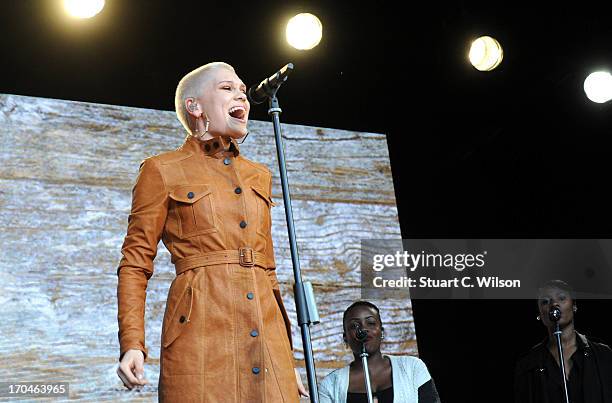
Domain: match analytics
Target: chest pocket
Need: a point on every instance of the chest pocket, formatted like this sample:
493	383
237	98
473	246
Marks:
264	203
195	210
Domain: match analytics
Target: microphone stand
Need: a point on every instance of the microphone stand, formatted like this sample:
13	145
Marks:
366	373
555	315
303	317
557	334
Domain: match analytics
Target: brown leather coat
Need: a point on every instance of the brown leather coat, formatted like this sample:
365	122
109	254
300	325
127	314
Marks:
225	336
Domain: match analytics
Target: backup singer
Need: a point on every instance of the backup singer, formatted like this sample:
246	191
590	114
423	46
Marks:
402	379
226	336
588	364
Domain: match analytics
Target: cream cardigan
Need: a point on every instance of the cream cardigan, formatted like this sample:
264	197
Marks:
408	374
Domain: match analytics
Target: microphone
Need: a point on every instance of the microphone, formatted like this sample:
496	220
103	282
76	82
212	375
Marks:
267	88
361	334
554	314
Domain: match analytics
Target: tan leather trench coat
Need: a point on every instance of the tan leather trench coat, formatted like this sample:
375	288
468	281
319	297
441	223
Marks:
226	336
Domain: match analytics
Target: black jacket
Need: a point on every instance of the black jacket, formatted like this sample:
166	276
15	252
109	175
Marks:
531	376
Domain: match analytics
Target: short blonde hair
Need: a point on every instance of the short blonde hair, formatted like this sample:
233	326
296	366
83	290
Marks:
191	86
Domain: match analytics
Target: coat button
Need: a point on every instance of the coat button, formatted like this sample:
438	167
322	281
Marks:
255	370
182	319
243	224
254	333
227	161
250	295
238	190
190	195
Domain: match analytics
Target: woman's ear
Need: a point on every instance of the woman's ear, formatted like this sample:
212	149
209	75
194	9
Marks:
193	107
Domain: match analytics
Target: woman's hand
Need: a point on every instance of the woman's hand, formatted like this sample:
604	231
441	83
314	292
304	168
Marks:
301	388
131	369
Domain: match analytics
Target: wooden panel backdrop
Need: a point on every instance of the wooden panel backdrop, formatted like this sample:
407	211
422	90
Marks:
66	173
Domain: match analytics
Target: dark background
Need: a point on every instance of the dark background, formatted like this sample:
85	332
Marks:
518	152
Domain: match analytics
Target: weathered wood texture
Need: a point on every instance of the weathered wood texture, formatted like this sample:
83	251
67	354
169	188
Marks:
66	173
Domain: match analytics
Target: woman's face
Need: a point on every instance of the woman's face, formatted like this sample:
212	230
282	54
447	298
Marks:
366	318
552	296
225	103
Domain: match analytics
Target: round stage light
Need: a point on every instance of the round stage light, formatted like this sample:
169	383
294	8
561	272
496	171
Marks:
486	53
304	31
598	86
83	8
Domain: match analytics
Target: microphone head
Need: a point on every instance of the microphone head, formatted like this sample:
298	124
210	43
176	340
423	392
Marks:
286	69
252	96
361	334
268	87
554	314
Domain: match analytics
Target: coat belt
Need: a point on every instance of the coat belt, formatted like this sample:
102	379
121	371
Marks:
245	256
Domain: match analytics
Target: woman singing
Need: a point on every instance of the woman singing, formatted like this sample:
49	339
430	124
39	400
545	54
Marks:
396	379
588	364
226	336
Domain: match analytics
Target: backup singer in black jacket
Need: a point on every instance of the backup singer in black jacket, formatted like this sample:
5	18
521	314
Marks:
588	364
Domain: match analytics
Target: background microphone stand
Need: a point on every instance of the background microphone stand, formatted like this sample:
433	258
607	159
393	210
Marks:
304	299
554	315
361	336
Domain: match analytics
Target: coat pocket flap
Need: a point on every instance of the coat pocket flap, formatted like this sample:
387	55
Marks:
180	318
264	195
190	193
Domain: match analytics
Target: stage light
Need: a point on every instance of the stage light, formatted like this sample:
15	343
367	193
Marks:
83	8
304	31
486	53
598	86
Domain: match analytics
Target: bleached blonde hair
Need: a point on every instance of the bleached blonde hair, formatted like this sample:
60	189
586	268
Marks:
191	85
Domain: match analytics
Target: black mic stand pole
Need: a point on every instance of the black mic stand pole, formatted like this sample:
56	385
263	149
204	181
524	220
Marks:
303	317
557	334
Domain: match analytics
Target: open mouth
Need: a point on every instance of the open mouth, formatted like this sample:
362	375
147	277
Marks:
238	112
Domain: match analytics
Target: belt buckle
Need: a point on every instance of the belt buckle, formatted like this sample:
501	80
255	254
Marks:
246	257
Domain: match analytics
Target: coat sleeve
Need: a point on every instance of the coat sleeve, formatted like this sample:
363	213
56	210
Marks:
271	265
270	260
145	226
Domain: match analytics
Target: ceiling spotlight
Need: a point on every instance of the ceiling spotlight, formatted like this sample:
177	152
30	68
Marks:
598	86
83	8
304	31
486	53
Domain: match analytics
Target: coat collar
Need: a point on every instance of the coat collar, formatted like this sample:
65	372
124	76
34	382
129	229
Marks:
536	359
581	342
217	147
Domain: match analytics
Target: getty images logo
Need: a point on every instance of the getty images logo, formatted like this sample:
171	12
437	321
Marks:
413	261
